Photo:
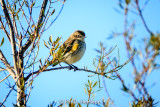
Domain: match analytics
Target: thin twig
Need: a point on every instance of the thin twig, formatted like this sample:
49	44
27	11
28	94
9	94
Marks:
143	20
38	28
8	67
5	78
55	18
5	31
12	88
105	88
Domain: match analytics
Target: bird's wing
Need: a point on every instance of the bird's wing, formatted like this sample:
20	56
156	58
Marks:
70	46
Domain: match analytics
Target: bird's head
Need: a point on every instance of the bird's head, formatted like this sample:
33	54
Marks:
78	34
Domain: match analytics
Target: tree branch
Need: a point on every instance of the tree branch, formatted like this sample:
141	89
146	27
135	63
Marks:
5	31
5	78
38	28
140	13
8	67
11	88
12	36
67	67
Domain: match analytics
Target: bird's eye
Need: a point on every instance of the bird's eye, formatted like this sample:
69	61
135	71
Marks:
77	36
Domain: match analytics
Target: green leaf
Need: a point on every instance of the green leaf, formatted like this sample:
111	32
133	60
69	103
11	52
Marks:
86	85
98	90
33	26
57	40
95	84
40	24
51	52
128	1
53	12
124	88
107	103
43	13
97	50
93	96
15	7
48	63
46	44
88	82
85	90
26	3
50	39
53	55
79	105
17	17
2	41
33	4
56	46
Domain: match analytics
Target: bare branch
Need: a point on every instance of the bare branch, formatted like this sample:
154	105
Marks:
12	37
15	25
28	22
5	78
8	67
140	13
12	88
38	28
55	18
5	31
2	105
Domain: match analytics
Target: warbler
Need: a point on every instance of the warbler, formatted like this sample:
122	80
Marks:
72	49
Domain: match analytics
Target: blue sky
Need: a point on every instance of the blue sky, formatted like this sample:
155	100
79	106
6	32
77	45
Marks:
98	19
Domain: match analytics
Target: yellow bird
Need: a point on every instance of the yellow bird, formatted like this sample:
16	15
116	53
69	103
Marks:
72	49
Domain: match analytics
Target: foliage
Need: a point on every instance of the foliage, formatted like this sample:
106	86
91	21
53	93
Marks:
144	103
24	31
89	89
146	56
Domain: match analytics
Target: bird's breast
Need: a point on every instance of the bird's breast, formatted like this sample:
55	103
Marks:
77	55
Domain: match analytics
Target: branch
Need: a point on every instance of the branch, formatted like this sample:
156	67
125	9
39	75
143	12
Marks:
15	25
5	78
55	18
38	28
8	67
12	36
28	22
12	88
5	31
67	67
140	13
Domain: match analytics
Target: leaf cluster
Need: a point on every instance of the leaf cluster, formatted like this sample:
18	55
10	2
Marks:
90	89
54	47
149	102
155	41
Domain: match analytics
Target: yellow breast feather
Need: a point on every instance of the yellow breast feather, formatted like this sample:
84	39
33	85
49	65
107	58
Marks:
74	47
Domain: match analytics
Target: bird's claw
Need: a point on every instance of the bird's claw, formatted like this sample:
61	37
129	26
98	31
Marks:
75	68
72	67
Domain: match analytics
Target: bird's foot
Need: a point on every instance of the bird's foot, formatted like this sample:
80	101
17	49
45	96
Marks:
72	67
75	68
